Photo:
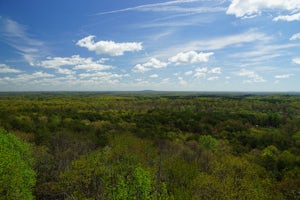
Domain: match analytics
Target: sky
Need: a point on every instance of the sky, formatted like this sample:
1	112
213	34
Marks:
166	45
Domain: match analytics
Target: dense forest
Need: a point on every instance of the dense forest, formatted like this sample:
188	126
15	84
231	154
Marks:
149	146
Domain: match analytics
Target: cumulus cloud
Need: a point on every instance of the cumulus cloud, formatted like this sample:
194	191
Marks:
251	8
190	57
101	77
41	75
108	47
152	63
6	69
200	72
35	75
295	36
283	76
216	70
253	77
77	62
155	63
153	76
140	68
64	71
100	74
188	73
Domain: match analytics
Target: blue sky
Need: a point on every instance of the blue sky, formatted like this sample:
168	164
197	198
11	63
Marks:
174	45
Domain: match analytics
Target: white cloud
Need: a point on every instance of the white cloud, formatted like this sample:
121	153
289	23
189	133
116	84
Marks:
64	71
264	52
216	70
100	74
200	73
29	77
296	61
77	62
41	75
16	36
109	47
155	63
140	68
57	62
42	81
6	69
245	72
202	69
295	36
101	77
188	73
93	66
182	81
253	77
154	7
152	63
236	40
250	8
283	76
288	18
153	76
190	57
213	78
220	43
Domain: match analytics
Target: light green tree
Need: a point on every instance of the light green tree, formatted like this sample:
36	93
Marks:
17	177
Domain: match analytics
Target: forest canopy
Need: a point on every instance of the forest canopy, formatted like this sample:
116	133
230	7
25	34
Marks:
149	146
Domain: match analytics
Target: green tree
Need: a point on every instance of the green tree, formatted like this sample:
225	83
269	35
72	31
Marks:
208	141
17	178
232	177
116	172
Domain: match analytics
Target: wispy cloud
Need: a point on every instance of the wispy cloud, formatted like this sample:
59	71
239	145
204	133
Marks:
222	42
296	61
16	36
288	18
296	36
213	78
264	52
252	76
283	76
218	43
7	69
154	7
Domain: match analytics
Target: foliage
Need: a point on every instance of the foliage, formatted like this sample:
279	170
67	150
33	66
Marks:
103	174
155	146
17	177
